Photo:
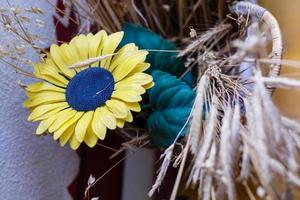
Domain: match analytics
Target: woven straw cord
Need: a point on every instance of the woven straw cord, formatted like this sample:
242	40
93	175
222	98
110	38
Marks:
266	17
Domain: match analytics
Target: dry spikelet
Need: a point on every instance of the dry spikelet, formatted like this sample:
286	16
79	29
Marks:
226	153
90	61
245	166
183	160
270	109
205	38
270	145
207	187
167	155
260	135
196	118
208	137
210	163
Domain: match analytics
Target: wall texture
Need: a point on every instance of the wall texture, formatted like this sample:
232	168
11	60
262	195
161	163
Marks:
30	167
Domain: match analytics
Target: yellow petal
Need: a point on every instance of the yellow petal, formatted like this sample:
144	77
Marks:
42	109
120	123
134	106
139	68
71	55
82	45
107	118
48	61
44	93
122	54
117	107
74	143
56	56
43	86
50	74
149	85
90	138
96	43
44	125
57	134
138	79
128	65
82	125
68	54
110	45
129	117
61	119
50	113
52	80
127	95
97	125
47	97
131	87
66	135
30	95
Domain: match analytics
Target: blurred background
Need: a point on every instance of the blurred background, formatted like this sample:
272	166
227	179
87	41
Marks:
287	13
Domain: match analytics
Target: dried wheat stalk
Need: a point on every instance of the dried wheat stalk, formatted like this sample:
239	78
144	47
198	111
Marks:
169	18
243	140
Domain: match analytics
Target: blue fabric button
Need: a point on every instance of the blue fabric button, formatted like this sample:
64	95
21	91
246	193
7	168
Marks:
89	89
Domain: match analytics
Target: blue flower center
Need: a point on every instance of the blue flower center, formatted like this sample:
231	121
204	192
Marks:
89	89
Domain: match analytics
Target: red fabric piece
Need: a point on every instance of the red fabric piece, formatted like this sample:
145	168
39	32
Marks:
63	33
92	161
96	162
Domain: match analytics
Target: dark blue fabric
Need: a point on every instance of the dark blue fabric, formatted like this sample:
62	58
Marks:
89	89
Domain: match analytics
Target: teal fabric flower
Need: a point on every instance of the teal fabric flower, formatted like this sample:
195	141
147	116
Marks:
171	100
163	61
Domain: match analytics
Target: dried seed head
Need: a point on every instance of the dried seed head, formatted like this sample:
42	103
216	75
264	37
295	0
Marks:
40	23
35	10
166	7
3	50
193	32
213	71
6	19
260	192
24	19
15	10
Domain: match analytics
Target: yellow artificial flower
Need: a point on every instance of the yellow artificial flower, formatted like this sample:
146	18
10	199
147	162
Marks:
80	104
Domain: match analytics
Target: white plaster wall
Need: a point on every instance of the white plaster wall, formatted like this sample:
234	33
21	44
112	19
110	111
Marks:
138	174
30	167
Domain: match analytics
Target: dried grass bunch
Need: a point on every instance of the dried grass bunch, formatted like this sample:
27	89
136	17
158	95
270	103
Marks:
242	147
16	21
171	19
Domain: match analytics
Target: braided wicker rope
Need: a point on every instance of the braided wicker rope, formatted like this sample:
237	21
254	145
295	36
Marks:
264	16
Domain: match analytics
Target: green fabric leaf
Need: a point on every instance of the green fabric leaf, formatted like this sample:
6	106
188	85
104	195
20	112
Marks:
171	100
164	61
